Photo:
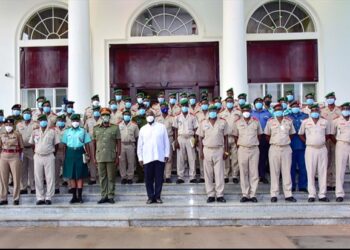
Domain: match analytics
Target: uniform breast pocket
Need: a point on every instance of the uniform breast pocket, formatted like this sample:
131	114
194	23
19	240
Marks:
49	138
12	141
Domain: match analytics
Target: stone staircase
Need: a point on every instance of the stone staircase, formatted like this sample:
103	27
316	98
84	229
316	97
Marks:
184	205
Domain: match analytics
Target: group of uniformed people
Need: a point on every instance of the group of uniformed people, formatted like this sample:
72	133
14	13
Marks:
228	138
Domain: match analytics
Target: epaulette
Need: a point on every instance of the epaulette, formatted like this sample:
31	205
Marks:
287	118
271	118
53	114
255	119
222	119
135	123
119	122
52	127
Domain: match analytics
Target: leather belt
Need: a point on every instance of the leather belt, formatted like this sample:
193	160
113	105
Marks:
255	146
12	151
44	154
186	136
316	146
128	143
217	147
280	146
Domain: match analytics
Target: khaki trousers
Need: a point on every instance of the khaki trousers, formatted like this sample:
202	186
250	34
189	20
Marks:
200	161
214	168
127	161
44	169
186	150
10	163
107	173
342	158
248	161
231	163
280	159
91	164
59	160
169	164
331	173
316	160
27	179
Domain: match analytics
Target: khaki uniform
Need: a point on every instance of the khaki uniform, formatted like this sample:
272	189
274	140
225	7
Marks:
44	161
213	150
174	110
11	145
201	116
316	154
106	144
121	105
168	123
306	110
51	119
59	159
88	114
156	108
248	154
231	163
129	133
26	130
341	129
186	127
280	154
194	110
89	127
116	117
330	116
35	114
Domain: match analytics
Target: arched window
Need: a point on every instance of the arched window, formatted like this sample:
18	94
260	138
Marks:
48	23
280	16
164	20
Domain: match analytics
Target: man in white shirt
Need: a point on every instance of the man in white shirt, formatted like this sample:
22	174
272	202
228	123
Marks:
153	152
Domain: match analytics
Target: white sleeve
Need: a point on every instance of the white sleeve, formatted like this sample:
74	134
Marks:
166	142
140	146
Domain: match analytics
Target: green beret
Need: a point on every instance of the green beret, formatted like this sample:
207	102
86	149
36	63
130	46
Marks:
230	89
290	92
184	102
47	101
140	94
147	97
172	94
164	104
161	93
183	94
212	107
9	119
258	99
95	97
42	117
61	117
127	98
40	97
204	91
204	98
346	104
126	112
16	106
246	106
97	108
75	117
268	96
112	100
282	99
314	106
192	95
217	97
312	94
27	110
330	94
229	97
118	91
244	95
70	102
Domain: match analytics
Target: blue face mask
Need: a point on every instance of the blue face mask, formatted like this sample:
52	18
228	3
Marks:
97	114
295	110
172	101
212	115
330	101
241	102
278	113
27	117
345	113
160	99
284	105
192	101
290	98
47	109
114	107
164	110
43	124
128	105
218	105
315	115
127	118
118	98
70	110
204	107
258	105
139	100
309	101
146	104
60	124
229	105
142	111
16	112
184	109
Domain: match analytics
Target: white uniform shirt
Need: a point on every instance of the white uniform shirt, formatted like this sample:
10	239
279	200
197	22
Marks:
153	143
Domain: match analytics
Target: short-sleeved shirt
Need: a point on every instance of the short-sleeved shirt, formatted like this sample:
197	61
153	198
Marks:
315	133
247	132
279	132
88	113
168	123
185	125
60	150
341	129
44	141
51	119
329	115
201	116
231	118
213	136
297	143
116	117
26	131
106	142
140	120
174	110
90	123
263	116
128	132
12	141
75	137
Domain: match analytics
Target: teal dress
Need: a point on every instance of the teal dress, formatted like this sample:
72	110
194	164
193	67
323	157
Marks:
74	168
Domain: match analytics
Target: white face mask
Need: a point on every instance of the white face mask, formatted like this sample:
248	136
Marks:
95	103
150	119
9	129
75	124
246	114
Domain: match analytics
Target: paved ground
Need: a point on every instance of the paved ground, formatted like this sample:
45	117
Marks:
224	237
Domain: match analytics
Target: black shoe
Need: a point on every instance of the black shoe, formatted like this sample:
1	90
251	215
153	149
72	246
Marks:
124	181
180	181
80	200
311	200
140	181
57	191
40	202
149	201
73	200
5	202
11	184
303	190
70	190
16	202
167	180
254	200
235	180
290	199
65	184
159	201
211	199
111	201
130	182
91	182
48	202
244	199
264	180
193	181
201	180
339	199
103	200
293	189
274	199
325	199
227	180
24	191
8	192
221	199
32	191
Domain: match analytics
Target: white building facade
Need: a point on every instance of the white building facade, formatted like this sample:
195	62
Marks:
98	45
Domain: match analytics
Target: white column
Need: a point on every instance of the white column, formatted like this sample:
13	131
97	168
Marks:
79	73
234	52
